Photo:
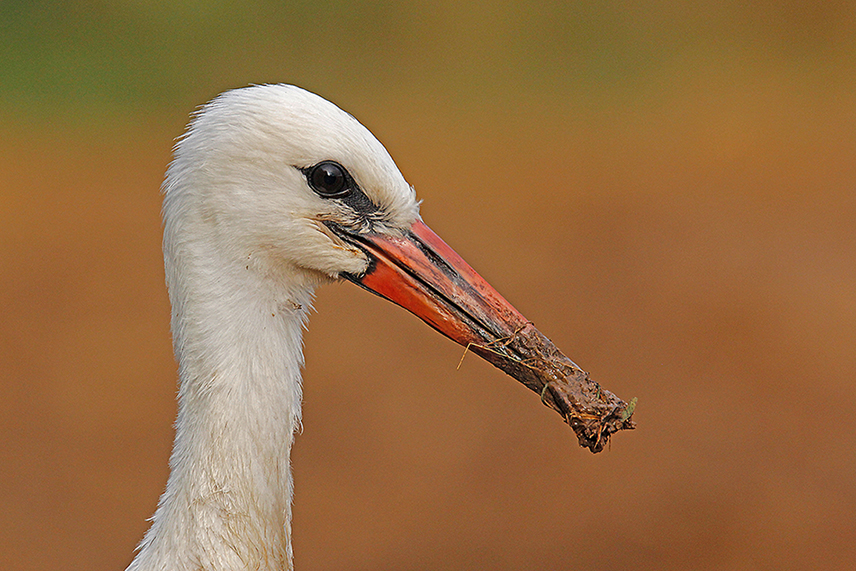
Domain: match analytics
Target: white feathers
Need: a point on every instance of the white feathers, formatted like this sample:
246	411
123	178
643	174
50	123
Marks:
244	249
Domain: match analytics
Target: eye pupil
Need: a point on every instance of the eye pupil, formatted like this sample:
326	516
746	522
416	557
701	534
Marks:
329	179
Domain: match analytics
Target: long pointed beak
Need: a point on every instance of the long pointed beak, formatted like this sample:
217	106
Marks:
422	274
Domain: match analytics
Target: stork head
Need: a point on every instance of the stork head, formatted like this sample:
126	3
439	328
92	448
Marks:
264	172
278	188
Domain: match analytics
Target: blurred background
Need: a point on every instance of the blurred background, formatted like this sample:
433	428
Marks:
667	189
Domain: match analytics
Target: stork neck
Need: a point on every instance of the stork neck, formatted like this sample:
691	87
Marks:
227	504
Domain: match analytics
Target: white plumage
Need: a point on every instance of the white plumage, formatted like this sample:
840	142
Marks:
245	247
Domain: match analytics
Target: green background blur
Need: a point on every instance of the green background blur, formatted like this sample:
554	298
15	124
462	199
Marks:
667	189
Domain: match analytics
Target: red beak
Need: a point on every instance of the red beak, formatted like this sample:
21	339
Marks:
422	274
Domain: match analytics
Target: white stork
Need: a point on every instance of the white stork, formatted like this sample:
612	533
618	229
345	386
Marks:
272	192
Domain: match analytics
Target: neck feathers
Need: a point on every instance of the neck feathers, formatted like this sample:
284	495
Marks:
227	504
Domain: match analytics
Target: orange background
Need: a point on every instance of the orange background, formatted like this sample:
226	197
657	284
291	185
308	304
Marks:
667	190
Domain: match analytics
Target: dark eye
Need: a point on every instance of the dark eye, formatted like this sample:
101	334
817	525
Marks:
329	179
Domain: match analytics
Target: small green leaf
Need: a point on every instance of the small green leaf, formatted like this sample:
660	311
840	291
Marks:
628	412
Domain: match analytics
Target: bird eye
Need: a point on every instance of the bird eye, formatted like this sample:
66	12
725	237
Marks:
329	179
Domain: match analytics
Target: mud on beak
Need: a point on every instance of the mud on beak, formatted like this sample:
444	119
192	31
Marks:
422	274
